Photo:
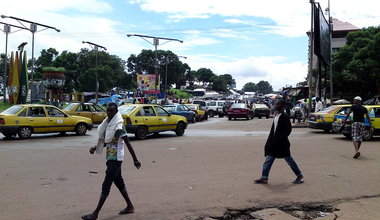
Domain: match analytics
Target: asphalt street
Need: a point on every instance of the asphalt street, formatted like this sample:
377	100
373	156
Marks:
209	169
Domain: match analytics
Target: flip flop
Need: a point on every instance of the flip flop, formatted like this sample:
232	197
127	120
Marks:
357	155
126	211
89	217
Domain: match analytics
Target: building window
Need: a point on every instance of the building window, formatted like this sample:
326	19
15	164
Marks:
335	49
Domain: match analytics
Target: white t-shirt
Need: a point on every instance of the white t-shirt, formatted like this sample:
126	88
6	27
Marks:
275	121
115	149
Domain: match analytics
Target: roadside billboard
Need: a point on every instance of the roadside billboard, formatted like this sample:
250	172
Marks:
147	83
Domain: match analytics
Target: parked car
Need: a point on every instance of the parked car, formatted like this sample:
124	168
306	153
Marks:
203	104
374	114
89	110
183	110
25	120
324	119
240	110
215	107
143	119
261	110
200	113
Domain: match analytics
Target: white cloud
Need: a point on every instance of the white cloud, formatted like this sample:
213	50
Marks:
292	18
275	70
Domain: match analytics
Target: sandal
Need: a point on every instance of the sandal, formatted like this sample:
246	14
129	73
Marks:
127	211
90	216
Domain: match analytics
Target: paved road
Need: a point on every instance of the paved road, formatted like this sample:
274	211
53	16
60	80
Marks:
202	173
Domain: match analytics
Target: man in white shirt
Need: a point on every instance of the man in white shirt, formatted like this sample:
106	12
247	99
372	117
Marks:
318	105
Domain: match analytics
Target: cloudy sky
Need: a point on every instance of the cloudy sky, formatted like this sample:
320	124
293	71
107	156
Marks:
252	40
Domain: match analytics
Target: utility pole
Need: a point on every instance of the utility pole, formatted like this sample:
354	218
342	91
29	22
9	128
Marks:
156	42
96	48
311	49
33	29
330	64
167	61
7	30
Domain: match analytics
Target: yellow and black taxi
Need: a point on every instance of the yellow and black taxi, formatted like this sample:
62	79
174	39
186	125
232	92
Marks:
374	114
144	119
25	120
89	110
323	119
261	110
200	112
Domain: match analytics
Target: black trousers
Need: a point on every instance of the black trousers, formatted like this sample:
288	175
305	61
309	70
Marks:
113	175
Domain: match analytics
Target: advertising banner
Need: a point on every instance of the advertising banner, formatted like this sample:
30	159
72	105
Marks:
147	83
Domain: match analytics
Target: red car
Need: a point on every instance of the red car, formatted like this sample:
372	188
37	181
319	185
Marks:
240	110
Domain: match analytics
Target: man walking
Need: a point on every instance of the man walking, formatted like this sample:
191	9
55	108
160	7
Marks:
357	124
278	145
318	105
113	136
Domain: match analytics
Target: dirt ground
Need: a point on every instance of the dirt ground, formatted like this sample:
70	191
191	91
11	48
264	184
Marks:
203	173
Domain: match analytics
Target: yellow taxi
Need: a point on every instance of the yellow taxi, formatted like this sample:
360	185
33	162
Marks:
324	119
25	120
374	114
89	110
200	113
144	119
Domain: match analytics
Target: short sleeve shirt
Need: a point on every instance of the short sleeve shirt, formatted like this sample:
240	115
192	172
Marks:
115	149
359	111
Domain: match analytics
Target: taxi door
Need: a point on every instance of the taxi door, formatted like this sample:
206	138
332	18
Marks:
97	114
38	119
84	111
374	114
58	120
150	118
164	118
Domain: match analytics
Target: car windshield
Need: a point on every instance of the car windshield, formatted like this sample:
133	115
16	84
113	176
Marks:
260	106
192	106
328	109
126	109
169	108
239	105
202	103
70	106
12	110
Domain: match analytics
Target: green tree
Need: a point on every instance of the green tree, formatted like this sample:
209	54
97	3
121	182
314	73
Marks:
250	87
219	83
205	75
356	66
264	87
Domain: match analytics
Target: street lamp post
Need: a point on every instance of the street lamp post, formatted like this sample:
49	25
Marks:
166	70
33	29
7	30
155	43
96	48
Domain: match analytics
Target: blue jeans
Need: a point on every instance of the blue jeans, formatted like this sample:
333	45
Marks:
269	162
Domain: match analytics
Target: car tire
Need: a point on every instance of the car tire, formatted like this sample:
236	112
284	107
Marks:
326	130
267	116
62	133
9	135
211	113
348	136
193	119
221	115
81	129
230	118
180	130
25	132
141	133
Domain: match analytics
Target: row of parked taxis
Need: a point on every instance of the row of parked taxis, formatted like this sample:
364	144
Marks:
331	119
139	119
